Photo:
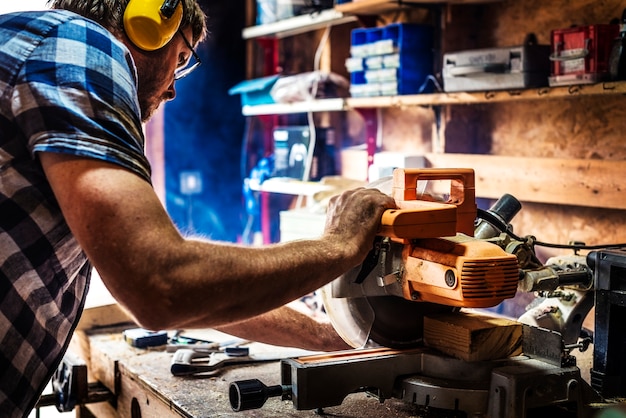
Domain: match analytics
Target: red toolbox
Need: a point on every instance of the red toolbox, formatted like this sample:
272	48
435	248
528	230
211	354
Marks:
580	54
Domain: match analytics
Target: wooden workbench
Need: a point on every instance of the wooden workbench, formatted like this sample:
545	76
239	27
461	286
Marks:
144	386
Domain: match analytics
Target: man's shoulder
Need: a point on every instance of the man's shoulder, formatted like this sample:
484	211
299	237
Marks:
44	21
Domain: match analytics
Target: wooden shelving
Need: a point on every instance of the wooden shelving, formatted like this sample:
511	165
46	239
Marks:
460	98
340	14
557	148
568	181
374	7
298	24
322	105
290	186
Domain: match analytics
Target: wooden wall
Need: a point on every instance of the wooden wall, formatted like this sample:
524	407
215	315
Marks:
580	128
569	128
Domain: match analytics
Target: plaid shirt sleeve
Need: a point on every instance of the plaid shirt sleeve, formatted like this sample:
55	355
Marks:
76	94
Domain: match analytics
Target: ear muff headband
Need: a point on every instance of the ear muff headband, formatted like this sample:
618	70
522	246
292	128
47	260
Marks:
147	25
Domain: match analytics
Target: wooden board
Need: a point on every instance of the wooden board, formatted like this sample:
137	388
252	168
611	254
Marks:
580	182
472	336
371	7
103	316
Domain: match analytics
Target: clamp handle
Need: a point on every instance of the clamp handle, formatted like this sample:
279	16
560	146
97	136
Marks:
252	394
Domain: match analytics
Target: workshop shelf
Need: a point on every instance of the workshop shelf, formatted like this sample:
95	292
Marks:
374	7
437	99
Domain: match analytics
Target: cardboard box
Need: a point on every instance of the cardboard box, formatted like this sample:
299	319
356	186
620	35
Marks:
354	162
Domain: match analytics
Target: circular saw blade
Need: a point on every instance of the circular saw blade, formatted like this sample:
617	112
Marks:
365	314
388	321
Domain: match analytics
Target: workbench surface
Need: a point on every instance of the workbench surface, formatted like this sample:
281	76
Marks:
145	387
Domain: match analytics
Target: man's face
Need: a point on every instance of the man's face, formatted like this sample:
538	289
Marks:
156	73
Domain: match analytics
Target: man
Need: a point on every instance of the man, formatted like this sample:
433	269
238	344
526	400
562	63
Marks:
75	192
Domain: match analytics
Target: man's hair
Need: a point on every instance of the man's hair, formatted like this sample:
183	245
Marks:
110	14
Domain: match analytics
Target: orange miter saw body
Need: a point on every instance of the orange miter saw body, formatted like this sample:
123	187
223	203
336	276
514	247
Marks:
425	260
457	270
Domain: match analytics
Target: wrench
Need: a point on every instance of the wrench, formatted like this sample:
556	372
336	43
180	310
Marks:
186	362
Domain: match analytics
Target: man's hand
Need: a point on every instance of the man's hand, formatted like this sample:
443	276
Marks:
353	218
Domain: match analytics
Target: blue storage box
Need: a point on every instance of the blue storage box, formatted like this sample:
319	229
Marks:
256	91
358	77
372	37
411	72
405	38
358	42
398	59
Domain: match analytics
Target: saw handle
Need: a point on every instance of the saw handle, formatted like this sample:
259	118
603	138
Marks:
462	195
419	219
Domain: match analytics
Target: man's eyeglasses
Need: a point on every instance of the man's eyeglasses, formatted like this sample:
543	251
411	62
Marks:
184	71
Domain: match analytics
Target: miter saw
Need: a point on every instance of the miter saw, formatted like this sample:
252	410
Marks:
438	253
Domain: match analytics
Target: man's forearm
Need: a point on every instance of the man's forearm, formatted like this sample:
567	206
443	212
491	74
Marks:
288	327
236	283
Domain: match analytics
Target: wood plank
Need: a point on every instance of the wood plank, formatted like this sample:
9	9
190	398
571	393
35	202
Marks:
493	96
579	182
297	25
103	316
612	88
98	410
472	336
104	368
137	398
373	7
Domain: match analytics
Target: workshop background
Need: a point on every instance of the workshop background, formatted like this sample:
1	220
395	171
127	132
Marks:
196	143
204	129
561	156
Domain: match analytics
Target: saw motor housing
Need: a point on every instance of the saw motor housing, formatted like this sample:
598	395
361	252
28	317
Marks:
458	271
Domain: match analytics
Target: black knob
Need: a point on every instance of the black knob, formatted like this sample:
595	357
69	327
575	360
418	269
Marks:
252	394
501	213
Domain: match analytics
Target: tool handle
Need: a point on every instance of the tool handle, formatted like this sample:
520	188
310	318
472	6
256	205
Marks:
419	219
462	194
250	394
182	362
469	70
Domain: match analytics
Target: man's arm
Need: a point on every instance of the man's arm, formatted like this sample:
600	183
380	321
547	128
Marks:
169	282
290	328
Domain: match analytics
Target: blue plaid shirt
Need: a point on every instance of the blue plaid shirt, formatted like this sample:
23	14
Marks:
67	85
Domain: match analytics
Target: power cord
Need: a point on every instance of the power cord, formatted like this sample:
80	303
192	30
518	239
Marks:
496	223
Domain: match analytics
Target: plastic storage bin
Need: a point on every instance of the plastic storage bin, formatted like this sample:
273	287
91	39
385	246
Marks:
390	60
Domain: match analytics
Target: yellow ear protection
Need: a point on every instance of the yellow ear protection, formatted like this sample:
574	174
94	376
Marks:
150	24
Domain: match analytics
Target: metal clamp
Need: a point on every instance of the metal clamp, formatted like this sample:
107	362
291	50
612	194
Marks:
70	386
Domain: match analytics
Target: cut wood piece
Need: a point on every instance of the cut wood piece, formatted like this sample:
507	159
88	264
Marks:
472	336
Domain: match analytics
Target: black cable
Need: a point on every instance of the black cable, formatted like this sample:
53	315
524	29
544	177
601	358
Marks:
498	224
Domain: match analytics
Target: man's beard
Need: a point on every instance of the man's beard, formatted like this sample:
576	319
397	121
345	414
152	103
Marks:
148	101
147	105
